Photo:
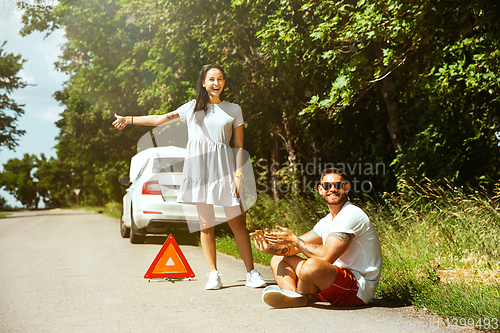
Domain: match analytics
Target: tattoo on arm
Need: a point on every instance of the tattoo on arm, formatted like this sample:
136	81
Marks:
341	236
283	250
306	248
280	250
170	116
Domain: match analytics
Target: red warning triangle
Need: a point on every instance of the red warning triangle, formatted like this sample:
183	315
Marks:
169	262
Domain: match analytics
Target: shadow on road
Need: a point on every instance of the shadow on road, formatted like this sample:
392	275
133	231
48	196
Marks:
181	237
375	303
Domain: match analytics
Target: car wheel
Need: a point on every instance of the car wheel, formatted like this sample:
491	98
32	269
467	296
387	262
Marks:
135	236
124	230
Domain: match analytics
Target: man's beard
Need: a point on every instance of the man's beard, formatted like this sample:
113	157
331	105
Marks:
333	198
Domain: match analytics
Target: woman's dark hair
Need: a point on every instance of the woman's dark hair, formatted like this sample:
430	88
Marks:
201	93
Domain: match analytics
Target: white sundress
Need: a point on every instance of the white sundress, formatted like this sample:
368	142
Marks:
209	166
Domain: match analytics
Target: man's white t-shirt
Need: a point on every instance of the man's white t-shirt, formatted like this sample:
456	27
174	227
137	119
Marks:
363	257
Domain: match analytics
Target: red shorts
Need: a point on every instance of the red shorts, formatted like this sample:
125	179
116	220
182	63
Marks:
343	290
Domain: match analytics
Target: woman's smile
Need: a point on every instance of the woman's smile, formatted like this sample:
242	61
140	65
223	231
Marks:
214	83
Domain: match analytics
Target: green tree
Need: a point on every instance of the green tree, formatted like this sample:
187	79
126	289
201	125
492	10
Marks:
53	184
18	180
411	85
3	203
104	79
133	60
10	111
91	150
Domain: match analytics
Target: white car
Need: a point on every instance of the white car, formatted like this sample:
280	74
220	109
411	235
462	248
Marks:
150	206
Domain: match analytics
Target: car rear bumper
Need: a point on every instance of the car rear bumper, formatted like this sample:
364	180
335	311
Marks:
157	216
158	226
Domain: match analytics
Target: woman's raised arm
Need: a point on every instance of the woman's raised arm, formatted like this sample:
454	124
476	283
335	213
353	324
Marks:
153	120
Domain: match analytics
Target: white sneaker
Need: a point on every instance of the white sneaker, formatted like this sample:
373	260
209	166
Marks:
278	298
214	281
254	279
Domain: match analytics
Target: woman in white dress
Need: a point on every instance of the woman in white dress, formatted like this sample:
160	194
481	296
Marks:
210	176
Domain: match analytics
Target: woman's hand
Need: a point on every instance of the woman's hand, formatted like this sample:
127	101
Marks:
120	122
236	187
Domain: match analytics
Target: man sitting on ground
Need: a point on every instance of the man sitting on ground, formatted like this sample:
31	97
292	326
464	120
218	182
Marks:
343	250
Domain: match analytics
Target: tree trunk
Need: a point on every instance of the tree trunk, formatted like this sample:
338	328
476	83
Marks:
393	125
292	155
274	161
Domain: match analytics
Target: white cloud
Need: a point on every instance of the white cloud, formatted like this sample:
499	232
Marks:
26	77
49	114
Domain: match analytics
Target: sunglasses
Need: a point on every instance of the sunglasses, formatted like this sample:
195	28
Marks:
327	186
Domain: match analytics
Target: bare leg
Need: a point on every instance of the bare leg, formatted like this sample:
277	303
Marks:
207	234
284	271
315	275
236	221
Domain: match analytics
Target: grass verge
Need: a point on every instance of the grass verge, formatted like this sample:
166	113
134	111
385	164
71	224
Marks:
113	209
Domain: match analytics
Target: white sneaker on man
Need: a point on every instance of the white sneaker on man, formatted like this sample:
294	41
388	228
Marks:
254	279
214	281
277	298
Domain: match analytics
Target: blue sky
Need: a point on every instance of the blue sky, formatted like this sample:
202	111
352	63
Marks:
41	109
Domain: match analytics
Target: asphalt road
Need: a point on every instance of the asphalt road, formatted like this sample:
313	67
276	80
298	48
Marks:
70	271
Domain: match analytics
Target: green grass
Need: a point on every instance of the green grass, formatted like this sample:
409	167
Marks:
113	209
226	244
440	245
440	248
4	215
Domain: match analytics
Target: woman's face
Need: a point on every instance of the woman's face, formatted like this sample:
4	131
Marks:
214	83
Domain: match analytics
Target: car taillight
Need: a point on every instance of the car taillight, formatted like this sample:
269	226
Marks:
151	187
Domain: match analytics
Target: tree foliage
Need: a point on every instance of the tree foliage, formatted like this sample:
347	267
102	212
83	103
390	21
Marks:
411	86
10	111
17	178
3	205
